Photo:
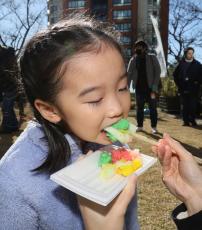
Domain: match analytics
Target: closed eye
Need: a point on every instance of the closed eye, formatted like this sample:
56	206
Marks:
96	102
123	89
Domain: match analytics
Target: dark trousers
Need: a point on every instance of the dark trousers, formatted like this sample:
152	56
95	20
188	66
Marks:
141	99
189	105
21	100
9	122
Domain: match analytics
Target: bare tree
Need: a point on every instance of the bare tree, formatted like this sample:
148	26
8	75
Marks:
18	19
184	28
3	13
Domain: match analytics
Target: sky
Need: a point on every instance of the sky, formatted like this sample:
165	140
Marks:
8	25
198	29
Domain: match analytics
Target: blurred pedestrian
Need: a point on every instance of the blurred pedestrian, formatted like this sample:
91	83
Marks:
8	89
188	77
144	73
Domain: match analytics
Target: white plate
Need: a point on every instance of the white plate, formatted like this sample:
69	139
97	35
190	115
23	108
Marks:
82	178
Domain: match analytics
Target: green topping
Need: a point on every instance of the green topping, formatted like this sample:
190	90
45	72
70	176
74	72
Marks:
105	158
111	137
119	128
121	124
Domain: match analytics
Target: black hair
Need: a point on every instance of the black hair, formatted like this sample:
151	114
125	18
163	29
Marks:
141	43
186	51
41	63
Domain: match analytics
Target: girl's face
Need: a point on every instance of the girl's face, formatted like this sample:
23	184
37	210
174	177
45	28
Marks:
95	94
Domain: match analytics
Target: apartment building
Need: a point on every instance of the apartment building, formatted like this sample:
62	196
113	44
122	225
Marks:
130	17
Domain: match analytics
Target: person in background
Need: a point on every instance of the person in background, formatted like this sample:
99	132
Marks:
8	89
21	98
144	74
182	176
188	78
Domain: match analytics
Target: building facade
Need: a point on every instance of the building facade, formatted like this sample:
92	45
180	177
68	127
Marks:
130	17
55	11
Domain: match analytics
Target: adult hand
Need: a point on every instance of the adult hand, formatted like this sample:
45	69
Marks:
110	217
180	172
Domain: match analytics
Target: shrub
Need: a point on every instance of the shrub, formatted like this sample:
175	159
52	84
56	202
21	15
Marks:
169	88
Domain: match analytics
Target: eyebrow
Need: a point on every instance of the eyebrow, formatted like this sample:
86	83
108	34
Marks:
88	90
93	88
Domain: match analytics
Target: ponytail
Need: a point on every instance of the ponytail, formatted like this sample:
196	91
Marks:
58	147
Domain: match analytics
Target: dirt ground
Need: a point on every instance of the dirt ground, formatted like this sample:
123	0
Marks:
155	202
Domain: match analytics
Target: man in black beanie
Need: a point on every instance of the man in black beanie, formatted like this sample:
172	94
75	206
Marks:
144	74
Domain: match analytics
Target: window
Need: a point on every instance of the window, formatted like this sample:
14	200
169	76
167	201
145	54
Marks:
120	14
125	40
127	52
52	20
76	4
100	9
155	13
150	2
122	2
53	9
123	27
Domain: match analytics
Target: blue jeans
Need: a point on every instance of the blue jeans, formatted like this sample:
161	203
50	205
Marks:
9	122
141	99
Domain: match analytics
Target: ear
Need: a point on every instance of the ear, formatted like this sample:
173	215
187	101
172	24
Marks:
47	111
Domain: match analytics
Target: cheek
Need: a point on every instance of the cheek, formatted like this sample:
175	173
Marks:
82	121
126	104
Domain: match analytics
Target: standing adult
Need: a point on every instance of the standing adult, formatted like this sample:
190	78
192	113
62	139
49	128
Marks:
144	73
8	89
188	77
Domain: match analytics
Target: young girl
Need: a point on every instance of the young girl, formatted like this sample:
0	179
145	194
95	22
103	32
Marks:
75	79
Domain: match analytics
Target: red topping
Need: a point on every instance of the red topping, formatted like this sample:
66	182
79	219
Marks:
121	154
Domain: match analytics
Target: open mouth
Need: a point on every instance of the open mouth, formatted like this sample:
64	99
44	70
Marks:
104	133
108	136
120	131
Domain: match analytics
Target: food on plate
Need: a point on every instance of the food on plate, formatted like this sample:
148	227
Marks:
105	158
120	161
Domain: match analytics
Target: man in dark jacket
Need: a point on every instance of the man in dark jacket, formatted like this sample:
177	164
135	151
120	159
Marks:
8	89
144	74
188	77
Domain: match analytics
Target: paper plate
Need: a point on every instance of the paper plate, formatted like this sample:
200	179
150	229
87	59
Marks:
83	178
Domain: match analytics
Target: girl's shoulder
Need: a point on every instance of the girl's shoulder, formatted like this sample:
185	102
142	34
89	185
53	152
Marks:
31	137
31	149
28	150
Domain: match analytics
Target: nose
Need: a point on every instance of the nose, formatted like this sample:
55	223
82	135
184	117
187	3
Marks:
114	108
